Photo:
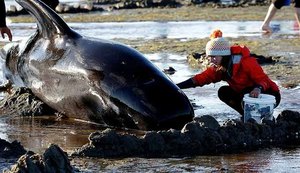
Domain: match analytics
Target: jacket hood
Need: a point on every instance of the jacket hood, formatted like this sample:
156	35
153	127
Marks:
240	50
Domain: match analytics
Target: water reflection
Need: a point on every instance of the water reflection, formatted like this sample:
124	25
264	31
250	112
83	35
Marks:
266	160
36	133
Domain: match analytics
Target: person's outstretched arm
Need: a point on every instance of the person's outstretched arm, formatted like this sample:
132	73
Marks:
189	83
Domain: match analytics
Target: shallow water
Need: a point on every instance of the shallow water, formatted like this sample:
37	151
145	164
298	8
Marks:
266	160
37	133
179	30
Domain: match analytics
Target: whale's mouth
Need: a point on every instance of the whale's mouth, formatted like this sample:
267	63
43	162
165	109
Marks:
173	110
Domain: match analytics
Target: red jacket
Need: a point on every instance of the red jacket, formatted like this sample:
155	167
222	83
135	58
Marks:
246	72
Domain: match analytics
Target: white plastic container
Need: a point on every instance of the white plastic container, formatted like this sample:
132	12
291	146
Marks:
259	108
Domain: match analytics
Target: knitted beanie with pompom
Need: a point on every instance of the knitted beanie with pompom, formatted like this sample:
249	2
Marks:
217	46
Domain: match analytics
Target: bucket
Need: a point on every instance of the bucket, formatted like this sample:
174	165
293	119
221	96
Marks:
259	108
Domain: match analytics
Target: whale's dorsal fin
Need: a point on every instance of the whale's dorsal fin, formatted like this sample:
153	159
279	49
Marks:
49	22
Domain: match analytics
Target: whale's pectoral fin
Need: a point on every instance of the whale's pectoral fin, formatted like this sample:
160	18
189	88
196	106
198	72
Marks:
6	87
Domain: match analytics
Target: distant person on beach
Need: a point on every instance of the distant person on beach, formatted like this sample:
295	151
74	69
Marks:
276	5
3	28
234	65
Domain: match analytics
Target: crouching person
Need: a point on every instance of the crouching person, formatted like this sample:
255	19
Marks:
234	65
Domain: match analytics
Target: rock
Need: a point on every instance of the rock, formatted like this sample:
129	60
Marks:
56	160
53	160
173	141
11	150
131	146
288	115
110	144
154	144
22	102
105	139
194	130
76	6
198	60
12	9
86	7
208	122
60	8
169	70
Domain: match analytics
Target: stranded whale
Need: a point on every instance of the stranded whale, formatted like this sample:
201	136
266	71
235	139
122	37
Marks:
93	79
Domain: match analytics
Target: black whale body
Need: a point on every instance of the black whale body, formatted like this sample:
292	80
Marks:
93	79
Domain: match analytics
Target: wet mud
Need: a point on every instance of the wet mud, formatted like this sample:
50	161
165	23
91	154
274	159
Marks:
203	136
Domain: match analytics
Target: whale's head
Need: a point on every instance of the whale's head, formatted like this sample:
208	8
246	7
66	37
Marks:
102	79
137	86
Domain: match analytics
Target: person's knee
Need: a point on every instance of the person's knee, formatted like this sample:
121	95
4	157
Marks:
223	92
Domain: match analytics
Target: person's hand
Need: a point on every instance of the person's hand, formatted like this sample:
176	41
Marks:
255	92
6	30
